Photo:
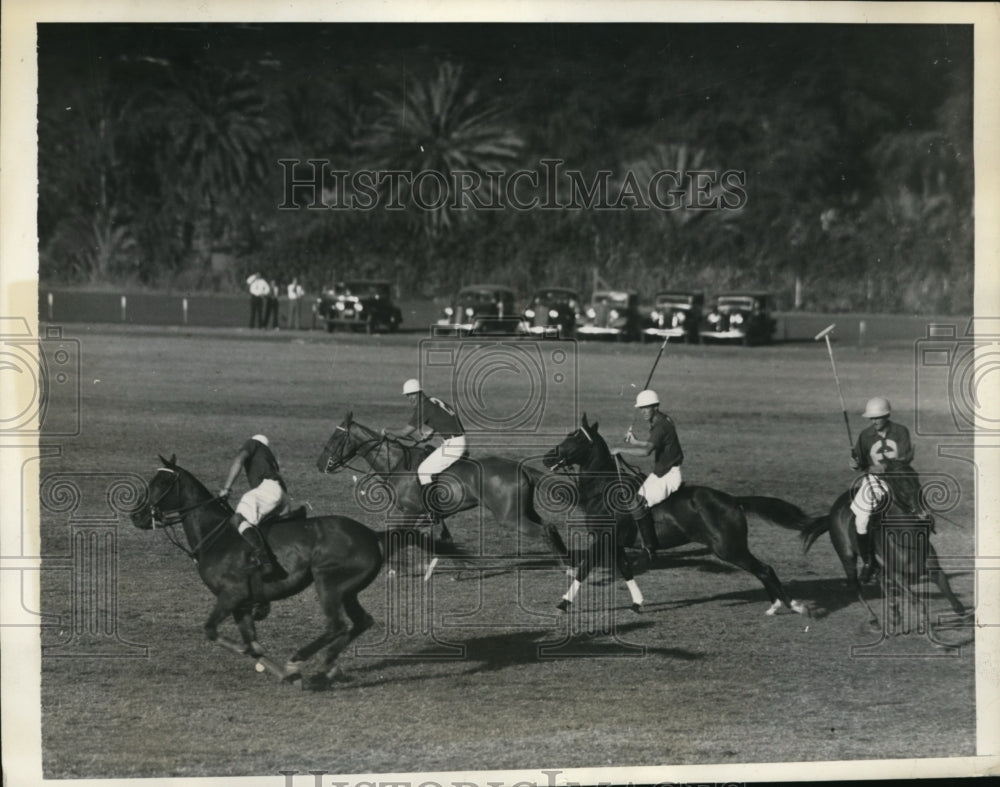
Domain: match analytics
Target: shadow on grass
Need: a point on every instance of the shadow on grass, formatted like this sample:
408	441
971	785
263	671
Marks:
503	651
823	596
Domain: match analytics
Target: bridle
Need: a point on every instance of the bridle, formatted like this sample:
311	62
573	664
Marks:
563	462
173	517
335	463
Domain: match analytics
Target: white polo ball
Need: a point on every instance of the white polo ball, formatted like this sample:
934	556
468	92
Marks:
259	667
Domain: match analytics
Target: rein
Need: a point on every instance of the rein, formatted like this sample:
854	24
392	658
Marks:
372	442
177	517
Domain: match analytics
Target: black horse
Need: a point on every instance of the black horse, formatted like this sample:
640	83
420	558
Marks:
504	487
906	560
339	554
693	513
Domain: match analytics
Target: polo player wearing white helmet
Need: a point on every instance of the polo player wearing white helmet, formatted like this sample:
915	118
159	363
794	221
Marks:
431	417
267	493
880	442
665	479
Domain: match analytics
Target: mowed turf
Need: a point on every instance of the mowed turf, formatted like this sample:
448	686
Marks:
479	671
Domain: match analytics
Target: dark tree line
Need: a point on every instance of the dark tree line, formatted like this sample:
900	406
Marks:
159	150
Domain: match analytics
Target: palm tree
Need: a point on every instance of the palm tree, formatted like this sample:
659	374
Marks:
215	128
440	127
85	226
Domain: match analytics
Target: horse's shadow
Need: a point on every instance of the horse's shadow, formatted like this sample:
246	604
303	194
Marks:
824	596
498	652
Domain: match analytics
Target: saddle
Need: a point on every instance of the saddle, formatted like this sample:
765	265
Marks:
297	513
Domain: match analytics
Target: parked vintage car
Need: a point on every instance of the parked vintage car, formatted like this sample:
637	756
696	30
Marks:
740	316
553	311
481	308
359	304
675	315
612	313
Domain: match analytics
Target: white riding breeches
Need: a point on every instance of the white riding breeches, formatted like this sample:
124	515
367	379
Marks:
443	457
655	489
260	501
871	495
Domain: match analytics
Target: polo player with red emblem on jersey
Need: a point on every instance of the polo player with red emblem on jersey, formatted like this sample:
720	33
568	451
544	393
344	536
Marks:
431	417
665	479
879	444
267	494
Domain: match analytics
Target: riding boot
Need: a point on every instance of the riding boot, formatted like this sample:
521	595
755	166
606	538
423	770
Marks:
644	520
258	550
865	548
426	495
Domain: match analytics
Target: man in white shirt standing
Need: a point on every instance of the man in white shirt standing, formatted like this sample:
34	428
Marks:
295	293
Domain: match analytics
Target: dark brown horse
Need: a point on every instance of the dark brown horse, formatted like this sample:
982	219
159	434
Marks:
693	513
504	487
904	560
340	555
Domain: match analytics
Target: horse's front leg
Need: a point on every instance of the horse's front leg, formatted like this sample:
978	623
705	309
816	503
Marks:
245	623
587	562
624	564
223	606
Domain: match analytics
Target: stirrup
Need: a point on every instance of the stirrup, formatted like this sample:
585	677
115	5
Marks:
261	561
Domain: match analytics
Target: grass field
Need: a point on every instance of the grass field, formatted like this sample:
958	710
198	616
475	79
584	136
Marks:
483	673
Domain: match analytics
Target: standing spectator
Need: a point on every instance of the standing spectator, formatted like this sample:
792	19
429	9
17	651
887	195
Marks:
295	293
259	290
271	313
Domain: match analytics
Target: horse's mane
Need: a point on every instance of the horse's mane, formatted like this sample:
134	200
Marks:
193	480
408	451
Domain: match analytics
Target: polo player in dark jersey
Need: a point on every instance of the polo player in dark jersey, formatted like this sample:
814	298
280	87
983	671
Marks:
431	417
665	478
267	493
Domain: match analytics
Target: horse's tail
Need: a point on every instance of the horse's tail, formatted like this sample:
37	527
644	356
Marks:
531	477
779	512
814	530
532	474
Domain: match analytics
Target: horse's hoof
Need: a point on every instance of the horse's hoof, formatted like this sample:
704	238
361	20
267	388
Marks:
773	609
798	606
563	605
637	608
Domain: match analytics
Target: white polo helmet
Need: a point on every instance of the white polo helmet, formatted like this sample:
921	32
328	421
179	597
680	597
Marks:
877	407
261	439
411	386
646	398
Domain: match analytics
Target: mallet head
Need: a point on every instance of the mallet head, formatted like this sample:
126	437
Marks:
825	332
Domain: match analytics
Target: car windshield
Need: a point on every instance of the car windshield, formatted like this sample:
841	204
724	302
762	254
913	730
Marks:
483	296
674	299
365	289
614	298
547	296
733	302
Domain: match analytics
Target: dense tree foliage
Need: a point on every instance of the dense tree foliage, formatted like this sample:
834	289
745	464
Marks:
848	149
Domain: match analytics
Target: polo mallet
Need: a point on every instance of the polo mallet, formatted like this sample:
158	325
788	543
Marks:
825	334
649	379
